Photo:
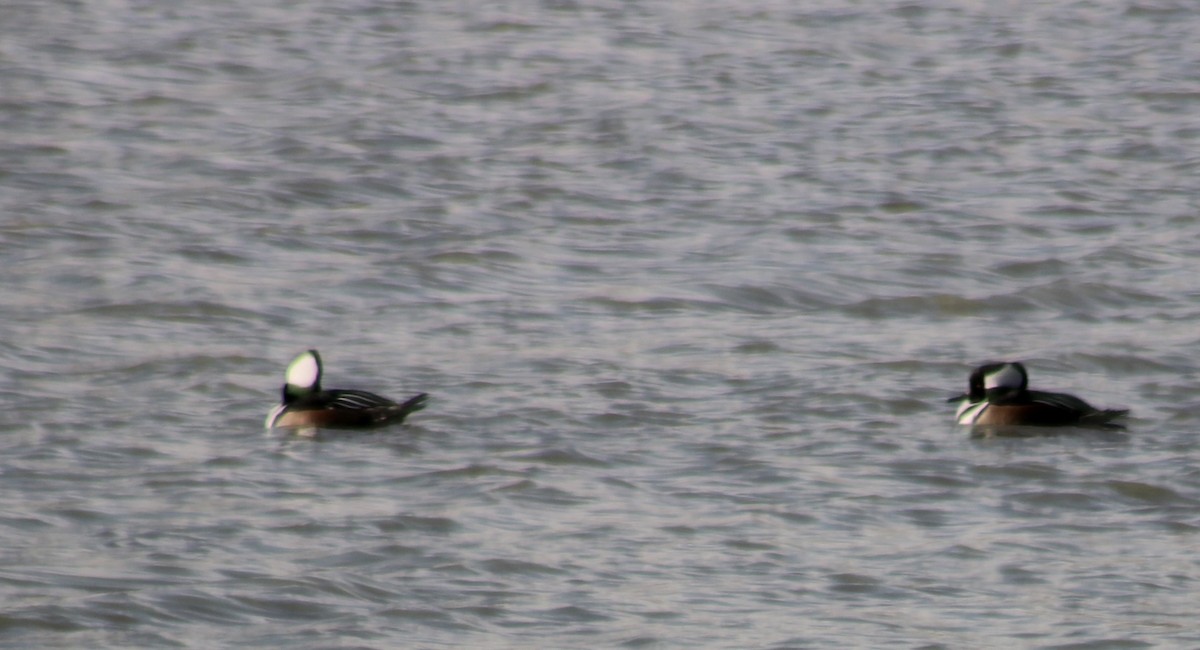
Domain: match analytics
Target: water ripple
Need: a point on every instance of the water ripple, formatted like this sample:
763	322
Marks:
689	288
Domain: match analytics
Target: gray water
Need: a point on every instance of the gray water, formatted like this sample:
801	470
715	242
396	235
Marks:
688	282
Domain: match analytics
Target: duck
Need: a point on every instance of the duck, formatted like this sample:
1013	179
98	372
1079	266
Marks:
998	395
305	404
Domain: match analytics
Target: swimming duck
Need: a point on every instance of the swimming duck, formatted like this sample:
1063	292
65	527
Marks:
998	394
306	404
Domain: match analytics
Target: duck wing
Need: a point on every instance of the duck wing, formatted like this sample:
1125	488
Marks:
1088	414
381	410
355	400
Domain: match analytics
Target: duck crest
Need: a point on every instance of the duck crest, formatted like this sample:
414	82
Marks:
1011	376
303	376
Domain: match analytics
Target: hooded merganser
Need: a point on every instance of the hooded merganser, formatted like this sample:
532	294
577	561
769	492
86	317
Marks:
998	394
305	404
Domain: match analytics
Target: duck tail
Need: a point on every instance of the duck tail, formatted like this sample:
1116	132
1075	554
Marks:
1105	417
412	405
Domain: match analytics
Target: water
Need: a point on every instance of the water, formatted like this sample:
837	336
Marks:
689	284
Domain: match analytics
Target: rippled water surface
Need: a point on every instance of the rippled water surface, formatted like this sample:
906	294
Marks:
689	284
